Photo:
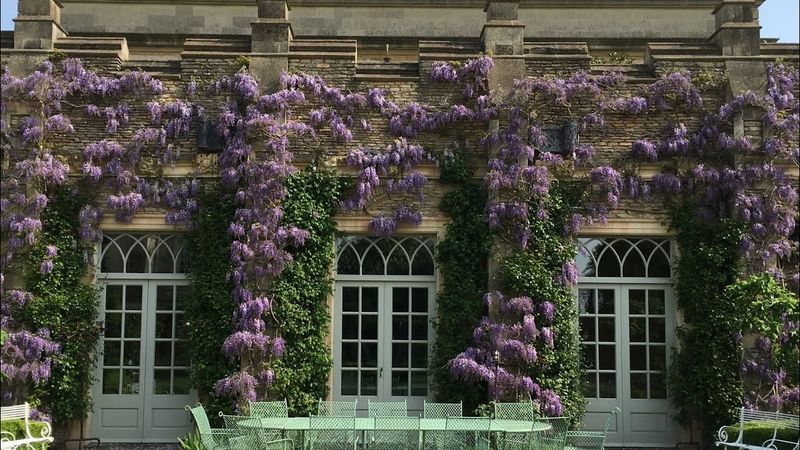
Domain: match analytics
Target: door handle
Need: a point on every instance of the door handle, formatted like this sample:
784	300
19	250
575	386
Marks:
380	373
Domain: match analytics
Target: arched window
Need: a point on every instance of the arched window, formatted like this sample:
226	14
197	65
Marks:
626	258
361	255
150	253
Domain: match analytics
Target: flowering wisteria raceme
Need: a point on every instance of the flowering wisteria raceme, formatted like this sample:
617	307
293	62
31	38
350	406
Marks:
674	91
510	339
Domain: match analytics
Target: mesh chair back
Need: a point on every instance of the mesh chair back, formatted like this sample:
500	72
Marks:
387	409
336	408
264	435
554	434
203	427
467	432
594	440
332	433
514	411
396	433
442	410
269	409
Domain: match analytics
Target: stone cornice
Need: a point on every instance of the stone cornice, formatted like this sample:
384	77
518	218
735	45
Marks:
705	4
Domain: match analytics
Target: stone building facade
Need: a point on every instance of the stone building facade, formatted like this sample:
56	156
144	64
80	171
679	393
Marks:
359	44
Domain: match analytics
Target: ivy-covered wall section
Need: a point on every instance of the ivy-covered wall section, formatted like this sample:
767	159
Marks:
65	302
302	291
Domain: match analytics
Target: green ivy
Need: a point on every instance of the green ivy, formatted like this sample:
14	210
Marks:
461	258
531	272
209	310
302	290
704	374
65	302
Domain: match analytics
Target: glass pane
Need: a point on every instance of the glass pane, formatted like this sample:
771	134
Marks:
646	246
658	386
638	357
419	356
637	329
590	385
111	381
369	299
656	302
419	299
130	381
369	382
636	301
112	260
372	265
133	325
587	329
163	261
607	384
163	353
182	264
181	354
180	326
164	298
419	383
347	264
349	326
589	357
349	382
397	263
349	354
180	383
137	260
114	297
605	301
164	325
349	298
399	355
133	297
422	264
182	294
658	357
608	265
605	329
586	301
656	330
419	327
634	265
111	353
400	299
369	354
659	265
608	358
130	355
113	325
400	327
638	385
399	383
162	381
369	326
587	254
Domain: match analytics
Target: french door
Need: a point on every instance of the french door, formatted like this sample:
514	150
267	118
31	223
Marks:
380	341
142	379
626	333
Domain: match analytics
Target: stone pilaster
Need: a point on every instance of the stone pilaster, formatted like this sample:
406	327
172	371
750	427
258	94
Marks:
37	25
737	30
271	35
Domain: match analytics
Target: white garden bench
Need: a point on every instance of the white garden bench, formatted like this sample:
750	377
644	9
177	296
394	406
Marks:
9	441
774	420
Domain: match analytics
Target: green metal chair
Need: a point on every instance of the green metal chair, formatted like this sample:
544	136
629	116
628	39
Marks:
220	439
336	408
522	411
468	432
436	439
551	438
387	409
332	433
267	438
590	440
395	433
269	410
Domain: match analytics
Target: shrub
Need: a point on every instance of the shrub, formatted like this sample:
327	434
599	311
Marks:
17	428
756	433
